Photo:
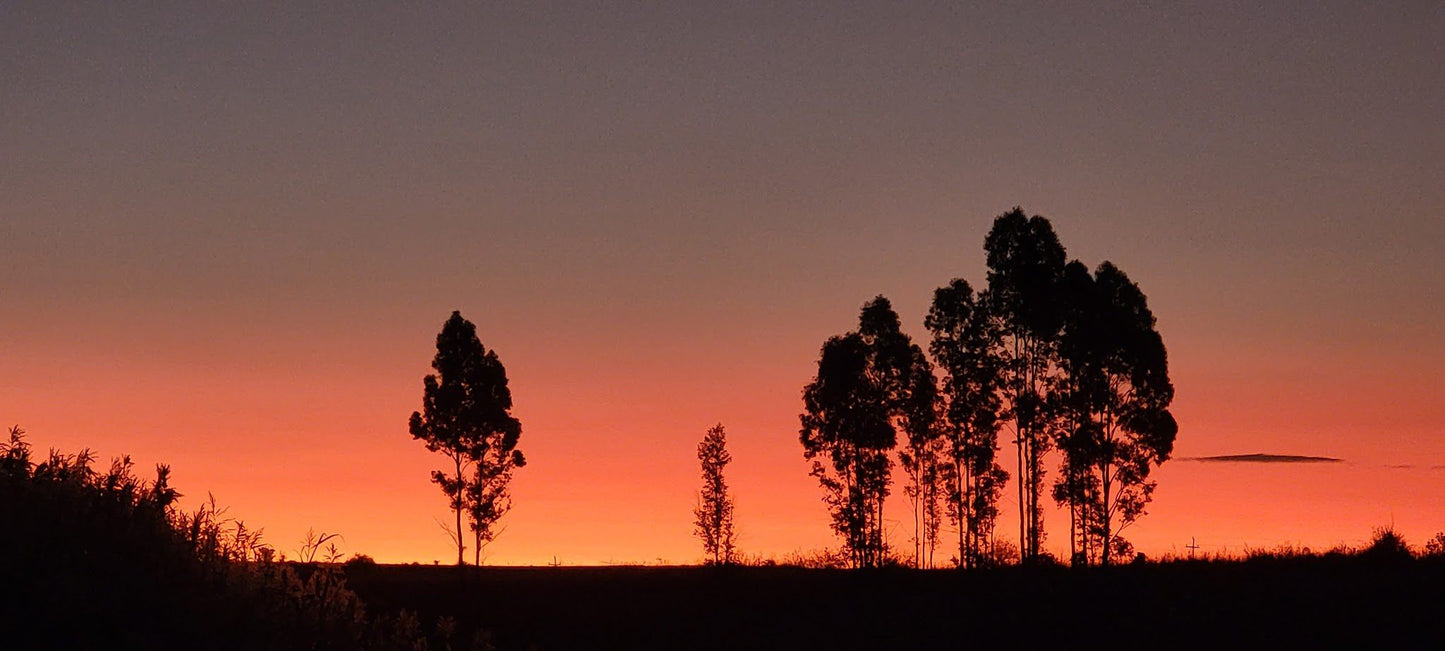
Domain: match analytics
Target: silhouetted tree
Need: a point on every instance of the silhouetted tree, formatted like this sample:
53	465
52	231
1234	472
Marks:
466	415
1025	263
487	496
965	345
713	517
1114	396
845	424
853	411
911	399
921	457
1076	487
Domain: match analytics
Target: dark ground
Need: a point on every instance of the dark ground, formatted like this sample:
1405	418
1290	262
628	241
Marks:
1269	603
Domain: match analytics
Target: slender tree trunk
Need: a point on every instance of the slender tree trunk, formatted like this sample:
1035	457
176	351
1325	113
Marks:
1106	484
1019	443
878	533
1104	514
1033	492
1035	514
957	498
974	533
1073	519
918	543
457	503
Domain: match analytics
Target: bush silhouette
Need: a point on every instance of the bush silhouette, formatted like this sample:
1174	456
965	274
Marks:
106	560
358	561
1435	547
1387	545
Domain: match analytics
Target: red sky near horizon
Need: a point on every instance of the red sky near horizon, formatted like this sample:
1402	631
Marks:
229	238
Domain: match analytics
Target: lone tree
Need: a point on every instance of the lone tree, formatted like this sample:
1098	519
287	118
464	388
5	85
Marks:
714	513
466	416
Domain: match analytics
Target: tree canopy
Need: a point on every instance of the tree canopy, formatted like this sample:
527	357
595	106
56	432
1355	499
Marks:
1048	353
1025	264
713	517
466	416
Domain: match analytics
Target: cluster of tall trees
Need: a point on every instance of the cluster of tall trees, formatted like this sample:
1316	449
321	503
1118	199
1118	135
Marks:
1050	355
467	417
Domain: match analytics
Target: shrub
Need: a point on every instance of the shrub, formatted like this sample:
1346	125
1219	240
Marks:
107	560
1387	545
816	559
1435	547
1001	552
360	561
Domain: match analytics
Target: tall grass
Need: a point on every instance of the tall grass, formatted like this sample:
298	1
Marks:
104	559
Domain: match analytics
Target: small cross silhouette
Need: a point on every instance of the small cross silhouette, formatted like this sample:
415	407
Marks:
1191	547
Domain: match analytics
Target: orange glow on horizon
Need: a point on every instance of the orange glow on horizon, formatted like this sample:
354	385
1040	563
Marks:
322	443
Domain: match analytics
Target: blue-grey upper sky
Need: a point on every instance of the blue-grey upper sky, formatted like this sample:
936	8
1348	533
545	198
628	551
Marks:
757	141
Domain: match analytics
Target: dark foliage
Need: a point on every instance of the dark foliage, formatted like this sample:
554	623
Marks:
846	434
965	346
1435	547
871	383
102	559
1025	266
1111	407
713	517
467	416
1387	545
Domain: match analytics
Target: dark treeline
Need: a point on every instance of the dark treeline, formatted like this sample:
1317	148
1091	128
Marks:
1047	353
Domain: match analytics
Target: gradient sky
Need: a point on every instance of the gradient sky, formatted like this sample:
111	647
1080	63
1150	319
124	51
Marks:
229	235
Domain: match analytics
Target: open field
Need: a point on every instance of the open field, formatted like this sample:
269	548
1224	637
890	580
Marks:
1304	602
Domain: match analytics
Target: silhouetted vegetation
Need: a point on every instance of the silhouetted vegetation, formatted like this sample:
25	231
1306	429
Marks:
1025	263
1347	600
103	559
853	410
1387	545
963	346
1113	408
360	561
1435	547
1067	359
1056	355
466	415
713	517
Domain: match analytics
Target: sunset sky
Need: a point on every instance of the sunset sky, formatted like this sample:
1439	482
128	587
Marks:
229	236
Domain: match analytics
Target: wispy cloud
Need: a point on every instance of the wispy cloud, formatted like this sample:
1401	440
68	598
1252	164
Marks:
1260	457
